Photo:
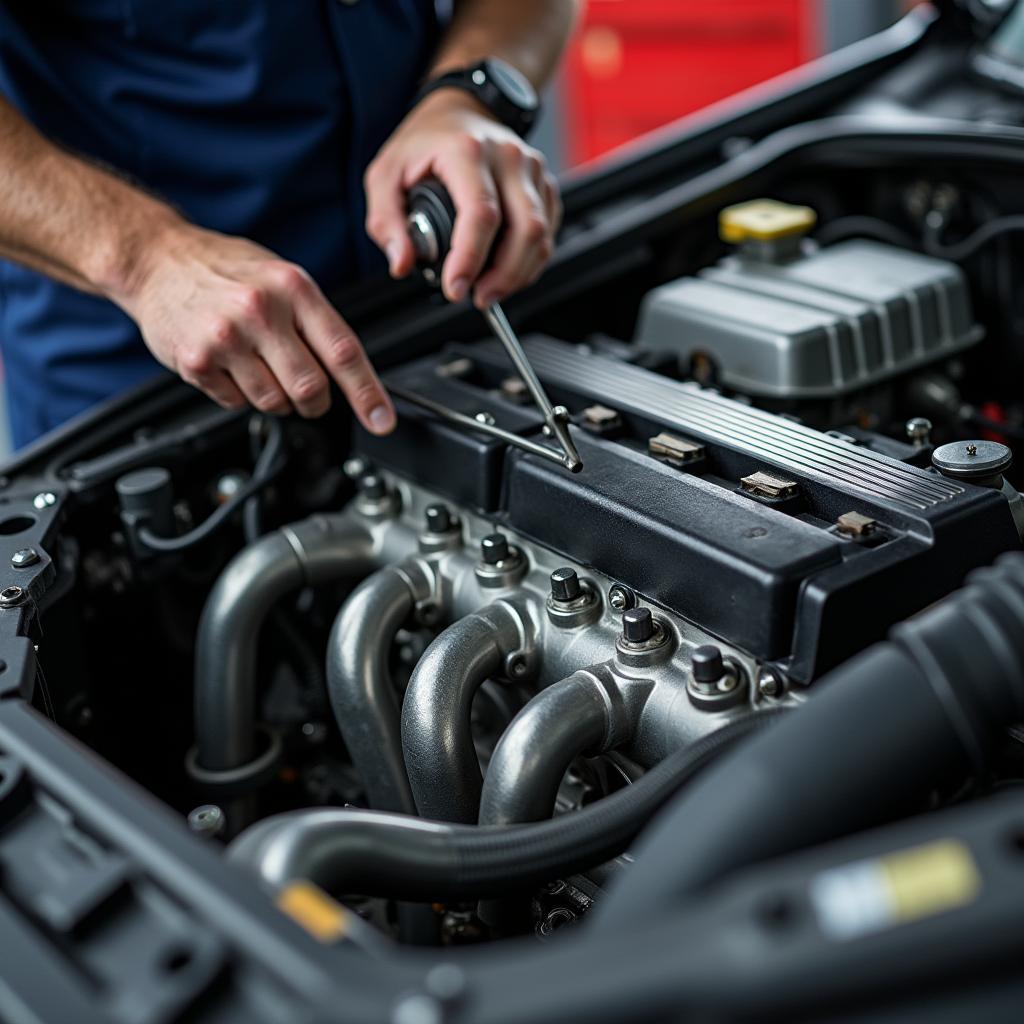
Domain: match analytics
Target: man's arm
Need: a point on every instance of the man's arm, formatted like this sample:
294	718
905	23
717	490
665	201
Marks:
226	314
496	180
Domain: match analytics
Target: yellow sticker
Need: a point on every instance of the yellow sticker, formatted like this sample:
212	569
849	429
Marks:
867	896
928	879
309	906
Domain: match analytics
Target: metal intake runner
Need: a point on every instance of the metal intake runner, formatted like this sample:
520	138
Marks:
431	222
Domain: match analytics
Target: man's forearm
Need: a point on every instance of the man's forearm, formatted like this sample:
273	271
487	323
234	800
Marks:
529	34
69	219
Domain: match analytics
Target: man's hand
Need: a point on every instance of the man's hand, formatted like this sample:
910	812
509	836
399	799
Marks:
242	325
497	181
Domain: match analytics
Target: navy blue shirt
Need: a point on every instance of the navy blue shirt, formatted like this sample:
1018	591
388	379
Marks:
252	117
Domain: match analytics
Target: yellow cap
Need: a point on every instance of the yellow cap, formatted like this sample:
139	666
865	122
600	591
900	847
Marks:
763	220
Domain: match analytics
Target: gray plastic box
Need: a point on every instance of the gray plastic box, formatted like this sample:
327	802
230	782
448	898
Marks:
822	324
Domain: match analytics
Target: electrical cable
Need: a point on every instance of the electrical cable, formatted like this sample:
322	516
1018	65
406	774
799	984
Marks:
268	466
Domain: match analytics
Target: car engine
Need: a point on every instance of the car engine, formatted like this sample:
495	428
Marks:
436	698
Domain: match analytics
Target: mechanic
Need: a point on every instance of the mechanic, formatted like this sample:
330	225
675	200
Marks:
190	178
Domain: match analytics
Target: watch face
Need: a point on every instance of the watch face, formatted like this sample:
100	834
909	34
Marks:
512	83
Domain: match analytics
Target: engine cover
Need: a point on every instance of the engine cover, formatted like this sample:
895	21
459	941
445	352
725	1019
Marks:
794	545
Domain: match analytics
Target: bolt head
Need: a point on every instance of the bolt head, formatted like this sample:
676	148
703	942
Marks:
620	598
372	486
494	549
637	625
707	664
355	467
10	596
768	683
45	499
919	430
565	584
439	519
24	558
206	820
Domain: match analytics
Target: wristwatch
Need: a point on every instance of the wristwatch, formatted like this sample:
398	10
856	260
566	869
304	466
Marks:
501	88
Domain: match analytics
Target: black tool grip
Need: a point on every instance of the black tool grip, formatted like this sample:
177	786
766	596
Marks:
431	219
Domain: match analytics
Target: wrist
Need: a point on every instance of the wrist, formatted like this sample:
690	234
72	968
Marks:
449	100
136	251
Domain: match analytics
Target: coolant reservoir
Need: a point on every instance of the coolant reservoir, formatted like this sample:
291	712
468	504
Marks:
783	318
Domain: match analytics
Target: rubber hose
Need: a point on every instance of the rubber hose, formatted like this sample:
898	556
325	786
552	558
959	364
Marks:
346	850
879	733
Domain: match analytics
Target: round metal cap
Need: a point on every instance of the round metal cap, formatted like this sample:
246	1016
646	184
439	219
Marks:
494	549
439	519
637	625
706	662
372	486
565	584
972	460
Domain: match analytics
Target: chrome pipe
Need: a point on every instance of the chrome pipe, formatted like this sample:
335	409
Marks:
359	683
440	758
306	553
582	714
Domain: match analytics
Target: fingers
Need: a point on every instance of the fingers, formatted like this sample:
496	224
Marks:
530	216
468	177
385	215
223	390
260	387
338	349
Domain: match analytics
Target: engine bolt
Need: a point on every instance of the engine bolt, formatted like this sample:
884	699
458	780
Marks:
23	558
439	519
620	598
355	467
637	625
11	596
494	549
373	487
919	431
43	500
707	665
206	820
768	683
565	584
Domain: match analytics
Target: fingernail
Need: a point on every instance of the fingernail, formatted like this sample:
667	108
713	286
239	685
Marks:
381	419
394	252
459	289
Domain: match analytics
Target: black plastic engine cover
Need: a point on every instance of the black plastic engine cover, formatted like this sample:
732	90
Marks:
776	578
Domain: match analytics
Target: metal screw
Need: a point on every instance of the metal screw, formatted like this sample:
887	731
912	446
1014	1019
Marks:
23	558
486	418
620	598
768	683
206	820
565	584
10	596
43	500
919	431
706	664
372	486
494	549
355	467
972	449
439	519
637	625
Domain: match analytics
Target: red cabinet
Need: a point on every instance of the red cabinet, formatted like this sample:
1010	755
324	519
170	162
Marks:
637	64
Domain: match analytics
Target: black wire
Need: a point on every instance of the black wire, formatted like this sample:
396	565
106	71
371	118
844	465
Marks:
968	246
268	465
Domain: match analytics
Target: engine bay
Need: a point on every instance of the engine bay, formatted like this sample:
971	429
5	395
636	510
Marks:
433	696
